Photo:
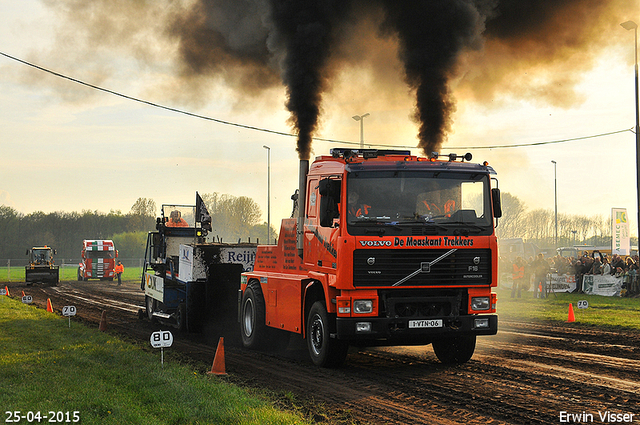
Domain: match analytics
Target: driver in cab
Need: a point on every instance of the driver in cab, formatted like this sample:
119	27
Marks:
357	209
176	220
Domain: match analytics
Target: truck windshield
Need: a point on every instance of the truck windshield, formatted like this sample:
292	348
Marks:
179	215
41	255
101	254
441	200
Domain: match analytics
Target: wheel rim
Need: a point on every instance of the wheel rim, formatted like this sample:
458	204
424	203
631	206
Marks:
317	335
150	307
248	318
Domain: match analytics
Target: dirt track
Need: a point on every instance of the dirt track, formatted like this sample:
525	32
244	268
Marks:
527	374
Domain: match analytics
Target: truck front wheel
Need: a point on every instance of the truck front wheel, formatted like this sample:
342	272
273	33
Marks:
455	350
324	350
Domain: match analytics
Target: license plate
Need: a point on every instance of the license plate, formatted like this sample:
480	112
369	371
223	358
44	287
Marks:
415	324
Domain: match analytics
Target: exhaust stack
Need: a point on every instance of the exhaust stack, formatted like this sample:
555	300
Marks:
302	196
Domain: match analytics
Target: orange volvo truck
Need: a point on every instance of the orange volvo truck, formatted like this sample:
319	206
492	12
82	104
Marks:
387	248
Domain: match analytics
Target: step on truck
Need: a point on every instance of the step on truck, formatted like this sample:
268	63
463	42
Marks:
386	248
190	283
41	267
98	260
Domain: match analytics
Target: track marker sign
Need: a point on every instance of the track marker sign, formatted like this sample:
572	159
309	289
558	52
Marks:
3	292
69	310
161	339
27	299
583	304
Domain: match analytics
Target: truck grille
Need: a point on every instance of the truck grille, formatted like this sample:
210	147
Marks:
385	267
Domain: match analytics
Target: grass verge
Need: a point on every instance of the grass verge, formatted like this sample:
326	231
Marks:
603	312
16	274
45	366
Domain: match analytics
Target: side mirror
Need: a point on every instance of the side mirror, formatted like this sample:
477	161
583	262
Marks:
330	188
329	198
497	204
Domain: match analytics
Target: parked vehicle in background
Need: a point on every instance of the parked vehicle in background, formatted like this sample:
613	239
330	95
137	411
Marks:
41	267
98	260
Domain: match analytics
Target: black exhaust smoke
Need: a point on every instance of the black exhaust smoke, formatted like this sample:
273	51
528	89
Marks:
306	30
254	45
432	34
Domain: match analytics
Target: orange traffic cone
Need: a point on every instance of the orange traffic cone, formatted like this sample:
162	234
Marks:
23	293
49	306
218	367
6	288
571	317
103	321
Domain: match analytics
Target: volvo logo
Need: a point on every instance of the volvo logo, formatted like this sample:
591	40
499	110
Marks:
371	261
476	260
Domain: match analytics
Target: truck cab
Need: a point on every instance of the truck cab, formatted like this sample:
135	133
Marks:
189	282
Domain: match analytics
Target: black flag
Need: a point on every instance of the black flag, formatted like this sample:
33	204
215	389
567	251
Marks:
202	214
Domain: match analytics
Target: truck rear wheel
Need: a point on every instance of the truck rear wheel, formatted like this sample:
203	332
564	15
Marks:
150	304
455	350
324	350
252	318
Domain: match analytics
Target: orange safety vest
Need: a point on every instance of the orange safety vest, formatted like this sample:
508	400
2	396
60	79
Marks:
119	268
449	207
432	207
518	272
357	211
180	223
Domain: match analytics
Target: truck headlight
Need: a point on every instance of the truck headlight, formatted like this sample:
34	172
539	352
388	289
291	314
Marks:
480	303
362	306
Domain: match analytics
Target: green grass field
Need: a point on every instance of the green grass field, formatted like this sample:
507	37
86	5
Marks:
47	366
604	312
16	274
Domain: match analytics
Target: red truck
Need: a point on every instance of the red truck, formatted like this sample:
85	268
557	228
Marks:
388	248
98	260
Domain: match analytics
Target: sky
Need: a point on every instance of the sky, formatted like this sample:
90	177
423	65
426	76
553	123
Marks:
68	147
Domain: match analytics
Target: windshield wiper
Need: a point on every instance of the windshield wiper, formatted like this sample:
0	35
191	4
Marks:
368	220
470	227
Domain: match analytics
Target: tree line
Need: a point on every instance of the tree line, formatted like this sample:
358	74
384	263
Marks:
538	226
233	218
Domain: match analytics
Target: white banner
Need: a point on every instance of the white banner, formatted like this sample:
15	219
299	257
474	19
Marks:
561	283
606	285
620	230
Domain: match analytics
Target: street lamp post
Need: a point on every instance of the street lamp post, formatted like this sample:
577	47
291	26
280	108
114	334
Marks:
555	190
630	25
361	119
268	192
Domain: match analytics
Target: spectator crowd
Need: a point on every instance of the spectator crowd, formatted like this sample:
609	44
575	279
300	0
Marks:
590	263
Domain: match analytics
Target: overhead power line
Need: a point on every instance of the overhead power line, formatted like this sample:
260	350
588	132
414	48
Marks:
282	133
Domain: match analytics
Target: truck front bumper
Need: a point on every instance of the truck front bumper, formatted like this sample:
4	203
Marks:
396	331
